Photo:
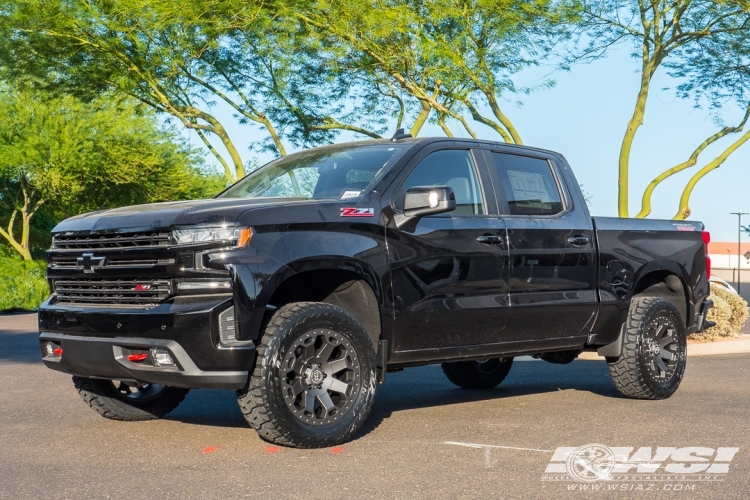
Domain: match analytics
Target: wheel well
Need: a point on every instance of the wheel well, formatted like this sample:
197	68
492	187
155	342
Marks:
666	285
344	289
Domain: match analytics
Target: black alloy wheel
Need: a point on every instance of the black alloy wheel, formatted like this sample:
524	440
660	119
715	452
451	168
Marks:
660	347
654	350
313	383
321	377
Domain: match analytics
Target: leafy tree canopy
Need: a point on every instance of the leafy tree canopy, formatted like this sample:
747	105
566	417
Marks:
69	156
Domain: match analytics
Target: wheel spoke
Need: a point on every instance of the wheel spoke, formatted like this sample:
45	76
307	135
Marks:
310	401
297	387
667	355
308	352
339	386
325	401
337	365
325	351
660	329
297	366
668	339
661	366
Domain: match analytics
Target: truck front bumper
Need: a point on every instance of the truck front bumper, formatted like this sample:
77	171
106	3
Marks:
108	343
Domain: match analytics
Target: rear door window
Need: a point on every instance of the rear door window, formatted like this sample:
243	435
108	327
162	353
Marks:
528	183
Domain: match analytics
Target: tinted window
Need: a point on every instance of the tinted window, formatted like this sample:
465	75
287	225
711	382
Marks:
324	173
454	168
529	185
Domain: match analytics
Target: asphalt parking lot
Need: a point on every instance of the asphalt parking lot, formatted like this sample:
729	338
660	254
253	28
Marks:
425	438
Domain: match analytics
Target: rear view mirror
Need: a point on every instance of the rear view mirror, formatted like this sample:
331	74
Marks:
429	200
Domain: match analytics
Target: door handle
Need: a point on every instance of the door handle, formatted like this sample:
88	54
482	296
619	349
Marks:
578	241
489	239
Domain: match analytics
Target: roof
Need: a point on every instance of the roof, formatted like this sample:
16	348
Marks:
429	140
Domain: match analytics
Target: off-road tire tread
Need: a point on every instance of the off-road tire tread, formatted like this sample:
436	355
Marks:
464	374
103	400
254	402
625	371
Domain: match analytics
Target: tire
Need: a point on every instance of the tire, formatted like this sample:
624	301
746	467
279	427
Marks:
314	379
654	350
478	375
118	401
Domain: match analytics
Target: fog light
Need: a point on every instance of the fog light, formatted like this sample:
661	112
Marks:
162	357
52	350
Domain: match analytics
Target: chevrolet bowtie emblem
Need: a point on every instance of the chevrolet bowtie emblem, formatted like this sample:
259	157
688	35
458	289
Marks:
89	263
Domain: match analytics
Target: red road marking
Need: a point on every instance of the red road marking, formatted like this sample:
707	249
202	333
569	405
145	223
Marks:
337	449
273	449
210	449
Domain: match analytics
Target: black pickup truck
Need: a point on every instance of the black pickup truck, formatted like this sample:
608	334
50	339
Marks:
304	283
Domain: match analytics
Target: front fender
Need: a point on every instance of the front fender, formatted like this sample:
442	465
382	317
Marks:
274	256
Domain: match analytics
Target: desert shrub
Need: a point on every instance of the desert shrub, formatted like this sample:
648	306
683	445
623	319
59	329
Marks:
22	284
738	305
729	313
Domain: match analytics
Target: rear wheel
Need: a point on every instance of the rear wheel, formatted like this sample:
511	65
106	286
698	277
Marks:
119	400
314	382
483	374
654	350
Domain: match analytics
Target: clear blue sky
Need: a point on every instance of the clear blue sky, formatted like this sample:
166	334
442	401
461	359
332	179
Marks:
584	117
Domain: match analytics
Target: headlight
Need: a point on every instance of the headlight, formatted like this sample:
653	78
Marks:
237	236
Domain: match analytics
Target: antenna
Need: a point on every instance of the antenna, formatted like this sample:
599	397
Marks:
400	134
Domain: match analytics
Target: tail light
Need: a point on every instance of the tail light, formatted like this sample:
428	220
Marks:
706	241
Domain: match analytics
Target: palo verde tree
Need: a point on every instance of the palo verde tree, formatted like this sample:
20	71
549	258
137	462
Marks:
716	72
663	33
450	58
301	71
191	60
173	56
68	157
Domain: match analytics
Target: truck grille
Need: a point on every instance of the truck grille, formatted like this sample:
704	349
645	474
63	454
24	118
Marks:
71	263
88	241
121	292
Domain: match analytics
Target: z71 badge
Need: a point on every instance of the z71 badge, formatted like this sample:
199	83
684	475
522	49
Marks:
357	212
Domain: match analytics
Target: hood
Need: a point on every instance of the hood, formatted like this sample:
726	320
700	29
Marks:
167	214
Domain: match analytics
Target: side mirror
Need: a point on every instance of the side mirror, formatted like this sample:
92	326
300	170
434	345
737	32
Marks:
429	200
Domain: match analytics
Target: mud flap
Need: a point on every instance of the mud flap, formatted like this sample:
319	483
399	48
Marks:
613	350
381	360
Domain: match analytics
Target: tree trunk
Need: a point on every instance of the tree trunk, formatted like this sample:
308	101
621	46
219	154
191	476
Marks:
27	212
627	141
421	118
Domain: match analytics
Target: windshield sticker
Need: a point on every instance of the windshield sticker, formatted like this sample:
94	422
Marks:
350	194
357	212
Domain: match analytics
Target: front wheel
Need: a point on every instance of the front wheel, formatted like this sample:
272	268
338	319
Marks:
119	400
654	350
484	374
314	379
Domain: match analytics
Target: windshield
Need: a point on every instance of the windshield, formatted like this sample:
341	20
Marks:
326	173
